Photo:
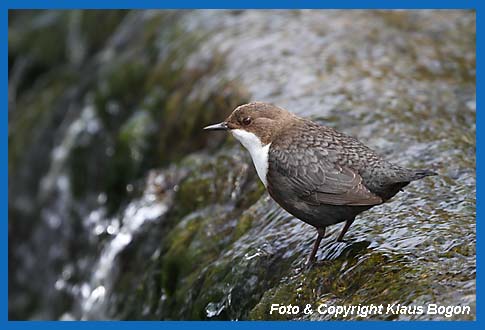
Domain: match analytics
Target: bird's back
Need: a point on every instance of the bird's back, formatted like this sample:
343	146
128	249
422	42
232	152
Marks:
326	145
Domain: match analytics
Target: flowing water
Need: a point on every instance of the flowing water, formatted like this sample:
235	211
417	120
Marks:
124	209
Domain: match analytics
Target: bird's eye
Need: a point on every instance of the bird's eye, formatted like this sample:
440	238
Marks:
246	121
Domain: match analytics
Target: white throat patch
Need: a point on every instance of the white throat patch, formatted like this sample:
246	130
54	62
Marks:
258	152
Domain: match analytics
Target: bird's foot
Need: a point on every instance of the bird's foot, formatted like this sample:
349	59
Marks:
309	265
310	261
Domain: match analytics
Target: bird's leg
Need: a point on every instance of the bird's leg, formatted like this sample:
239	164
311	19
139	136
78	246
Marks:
321	234
347	225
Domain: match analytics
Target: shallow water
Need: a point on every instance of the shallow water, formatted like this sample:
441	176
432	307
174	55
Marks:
126	210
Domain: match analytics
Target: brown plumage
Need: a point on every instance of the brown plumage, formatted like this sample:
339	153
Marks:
316	173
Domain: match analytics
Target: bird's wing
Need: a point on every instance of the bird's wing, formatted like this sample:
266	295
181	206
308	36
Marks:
315	176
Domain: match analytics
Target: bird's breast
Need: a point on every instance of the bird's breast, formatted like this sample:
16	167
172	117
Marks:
259	152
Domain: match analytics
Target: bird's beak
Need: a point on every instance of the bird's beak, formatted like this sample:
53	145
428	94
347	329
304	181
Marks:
217	127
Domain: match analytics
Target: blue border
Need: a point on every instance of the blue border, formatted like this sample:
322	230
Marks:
4	162
237	4
181	4
480	139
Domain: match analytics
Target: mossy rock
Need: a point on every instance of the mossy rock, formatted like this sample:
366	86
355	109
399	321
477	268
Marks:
195	237
366	277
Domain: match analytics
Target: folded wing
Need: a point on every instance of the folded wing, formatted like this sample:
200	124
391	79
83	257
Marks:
315	177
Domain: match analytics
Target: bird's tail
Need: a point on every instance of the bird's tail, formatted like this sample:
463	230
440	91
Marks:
419	174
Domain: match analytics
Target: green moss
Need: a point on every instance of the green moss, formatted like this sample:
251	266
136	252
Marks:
243	225
196	242
192	245
94	37
210	183
176	260
44	41
367	276
118	90
149	111
37	110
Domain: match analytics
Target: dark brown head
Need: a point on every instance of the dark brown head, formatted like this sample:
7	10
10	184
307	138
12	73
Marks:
264	120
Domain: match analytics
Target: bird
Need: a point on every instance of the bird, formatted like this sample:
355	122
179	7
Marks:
316	173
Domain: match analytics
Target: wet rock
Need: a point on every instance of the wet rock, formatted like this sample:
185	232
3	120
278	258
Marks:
82	137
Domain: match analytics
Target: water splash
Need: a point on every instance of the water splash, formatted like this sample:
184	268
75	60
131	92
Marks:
151	207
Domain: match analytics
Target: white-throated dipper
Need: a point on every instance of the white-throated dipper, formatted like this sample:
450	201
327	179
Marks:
317	174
